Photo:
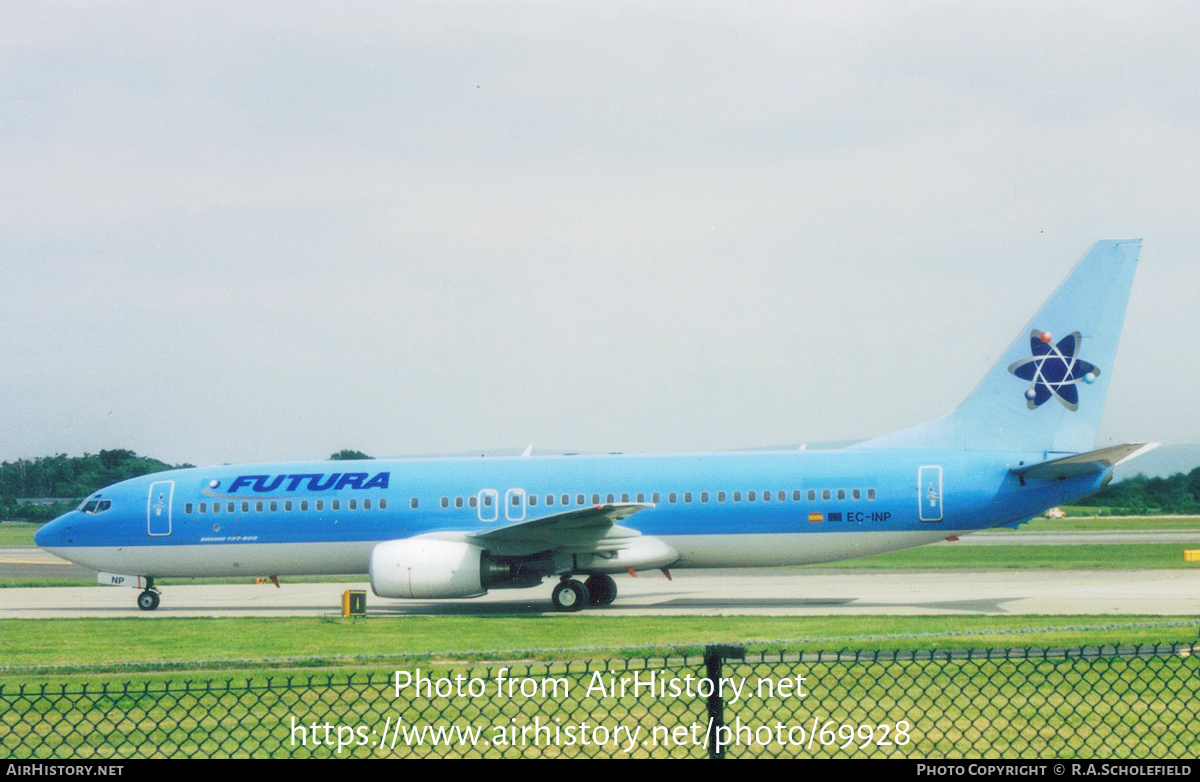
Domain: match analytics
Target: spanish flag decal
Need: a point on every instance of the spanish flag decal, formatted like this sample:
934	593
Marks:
815	517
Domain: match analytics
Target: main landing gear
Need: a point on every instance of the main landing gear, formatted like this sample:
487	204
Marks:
148	599
571	595
602	590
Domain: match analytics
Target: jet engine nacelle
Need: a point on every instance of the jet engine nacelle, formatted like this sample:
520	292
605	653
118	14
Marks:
426	568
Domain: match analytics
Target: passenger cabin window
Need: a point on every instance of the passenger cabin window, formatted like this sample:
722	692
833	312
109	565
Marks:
549	499
383	503
216	507
671	497
186	508
532	500
287	506
458	503
610	499
737	496
303	505
624	498
655	498
353	505
841	494
412	503
578	499
870	494
566	499
445	502
687	496
595	499
766	496
704	496
335	504
204	507
812	495
856	494
720	496
258	506
751	496
795	495
321	504
245	507
825	494
274	506
781	496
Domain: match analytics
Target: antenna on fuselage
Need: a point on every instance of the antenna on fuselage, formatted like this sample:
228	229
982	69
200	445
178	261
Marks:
528	450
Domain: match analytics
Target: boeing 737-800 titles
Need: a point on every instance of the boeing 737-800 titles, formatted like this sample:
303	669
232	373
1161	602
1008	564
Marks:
1022	442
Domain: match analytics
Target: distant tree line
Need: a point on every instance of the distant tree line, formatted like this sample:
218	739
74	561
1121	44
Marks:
1141	495
347	454
71	478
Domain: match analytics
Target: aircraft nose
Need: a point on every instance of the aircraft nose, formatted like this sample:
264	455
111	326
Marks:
53	533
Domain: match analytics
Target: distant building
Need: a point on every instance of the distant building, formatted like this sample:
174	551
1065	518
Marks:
1055	513
44	501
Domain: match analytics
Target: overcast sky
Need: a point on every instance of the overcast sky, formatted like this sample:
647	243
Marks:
259	231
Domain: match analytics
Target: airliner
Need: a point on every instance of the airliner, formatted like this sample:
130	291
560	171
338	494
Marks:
1022	442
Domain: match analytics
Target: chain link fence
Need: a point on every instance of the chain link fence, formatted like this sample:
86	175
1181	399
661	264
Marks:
1108	702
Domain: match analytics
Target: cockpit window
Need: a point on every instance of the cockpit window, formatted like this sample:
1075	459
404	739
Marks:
89	506
92	507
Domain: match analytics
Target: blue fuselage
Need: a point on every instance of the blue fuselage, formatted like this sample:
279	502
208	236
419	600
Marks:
726	509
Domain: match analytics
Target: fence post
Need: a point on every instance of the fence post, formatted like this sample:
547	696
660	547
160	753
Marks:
714	655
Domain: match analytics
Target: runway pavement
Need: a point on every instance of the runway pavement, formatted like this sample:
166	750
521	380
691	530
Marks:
33	563
786	591
697	592
1006	538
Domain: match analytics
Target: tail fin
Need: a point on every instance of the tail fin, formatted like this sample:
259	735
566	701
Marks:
1047	391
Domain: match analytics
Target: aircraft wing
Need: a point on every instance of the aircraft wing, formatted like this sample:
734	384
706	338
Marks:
593	529
1083	463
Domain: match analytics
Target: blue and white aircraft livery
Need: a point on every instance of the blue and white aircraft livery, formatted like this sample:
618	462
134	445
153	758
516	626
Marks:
1022	442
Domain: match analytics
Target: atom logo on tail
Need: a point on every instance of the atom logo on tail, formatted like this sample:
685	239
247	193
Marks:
1054	370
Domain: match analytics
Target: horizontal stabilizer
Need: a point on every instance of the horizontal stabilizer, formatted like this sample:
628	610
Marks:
1084	463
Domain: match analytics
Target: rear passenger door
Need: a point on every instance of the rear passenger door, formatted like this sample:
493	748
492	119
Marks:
929	486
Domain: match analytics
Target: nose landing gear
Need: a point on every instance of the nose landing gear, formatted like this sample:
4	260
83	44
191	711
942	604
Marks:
148	599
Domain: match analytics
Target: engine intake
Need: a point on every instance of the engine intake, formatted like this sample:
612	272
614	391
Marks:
423	568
